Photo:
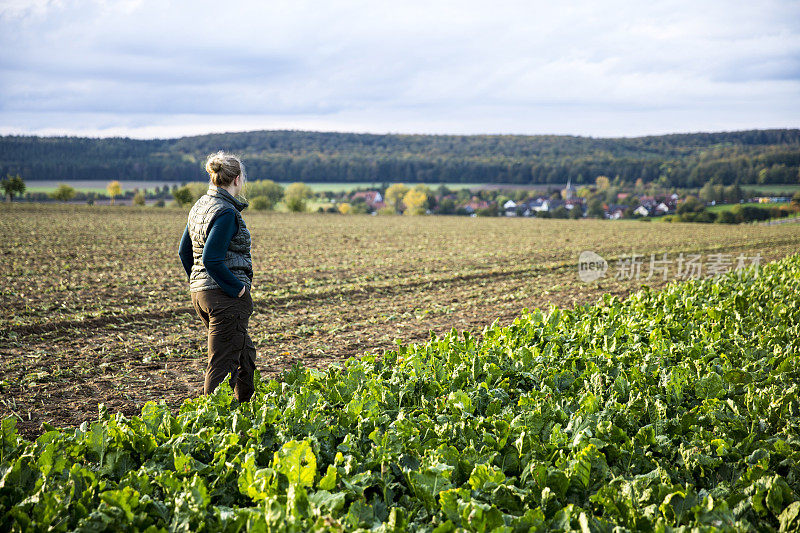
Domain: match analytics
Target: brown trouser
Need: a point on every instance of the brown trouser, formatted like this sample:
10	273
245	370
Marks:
230	350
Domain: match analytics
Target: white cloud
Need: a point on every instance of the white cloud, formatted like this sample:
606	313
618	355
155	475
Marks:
613	68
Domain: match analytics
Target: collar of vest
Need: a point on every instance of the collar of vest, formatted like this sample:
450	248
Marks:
219	192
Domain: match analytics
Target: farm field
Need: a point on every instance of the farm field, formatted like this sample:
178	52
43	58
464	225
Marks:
727	207
96	306
789	188
671	410
96	186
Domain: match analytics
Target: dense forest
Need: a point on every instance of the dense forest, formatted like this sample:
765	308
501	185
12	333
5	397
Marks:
678	160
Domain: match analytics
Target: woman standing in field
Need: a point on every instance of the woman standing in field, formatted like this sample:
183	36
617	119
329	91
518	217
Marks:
215	252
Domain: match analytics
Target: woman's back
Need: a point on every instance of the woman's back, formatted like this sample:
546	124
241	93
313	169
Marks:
215	207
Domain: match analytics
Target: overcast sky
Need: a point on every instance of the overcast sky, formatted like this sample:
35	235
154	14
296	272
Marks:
162	68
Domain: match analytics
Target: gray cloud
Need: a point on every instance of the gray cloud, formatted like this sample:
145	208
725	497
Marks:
777	68
146	67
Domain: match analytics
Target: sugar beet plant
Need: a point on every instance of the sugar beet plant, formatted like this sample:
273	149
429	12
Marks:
674	410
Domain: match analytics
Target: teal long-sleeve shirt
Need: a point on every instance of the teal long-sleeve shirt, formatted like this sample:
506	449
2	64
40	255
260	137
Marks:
221	231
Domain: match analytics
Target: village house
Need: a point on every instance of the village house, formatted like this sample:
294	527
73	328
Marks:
672	201
370	197
373	199
574	202
648	202
475	205
615	211
539	204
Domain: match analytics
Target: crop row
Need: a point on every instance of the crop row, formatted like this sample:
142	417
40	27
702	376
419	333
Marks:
670	410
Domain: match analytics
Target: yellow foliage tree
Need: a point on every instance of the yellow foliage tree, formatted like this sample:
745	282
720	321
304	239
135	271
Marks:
602	183
394	195
415	201
296	195
344	208
114	189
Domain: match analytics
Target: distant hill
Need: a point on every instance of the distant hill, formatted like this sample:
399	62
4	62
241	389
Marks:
679	160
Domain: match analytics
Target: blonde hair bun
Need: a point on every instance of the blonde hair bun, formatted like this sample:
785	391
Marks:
223	168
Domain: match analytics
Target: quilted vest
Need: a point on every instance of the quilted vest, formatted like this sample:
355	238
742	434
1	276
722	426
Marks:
237	259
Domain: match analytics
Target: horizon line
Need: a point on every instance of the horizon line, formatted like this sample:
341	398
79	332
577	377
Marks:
291	130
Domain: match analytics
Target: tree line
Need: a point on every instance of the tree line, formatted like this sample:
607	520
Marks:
678	160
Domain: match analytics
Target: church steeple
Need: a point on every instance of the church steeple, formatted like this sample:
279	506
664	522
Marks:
569	191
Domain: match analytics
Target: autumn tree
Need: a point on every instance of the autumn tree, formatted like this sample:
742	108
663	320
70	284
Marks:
296	195
260	203
602	183
267	188
64	193
415	200
430	197
183	195
733	194
394	195
691	204
596	209
114	189
610	194
344	208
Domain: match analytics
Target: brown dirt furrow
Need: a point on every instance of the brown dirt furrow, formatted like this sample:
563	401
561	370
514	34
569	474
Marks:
363	291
